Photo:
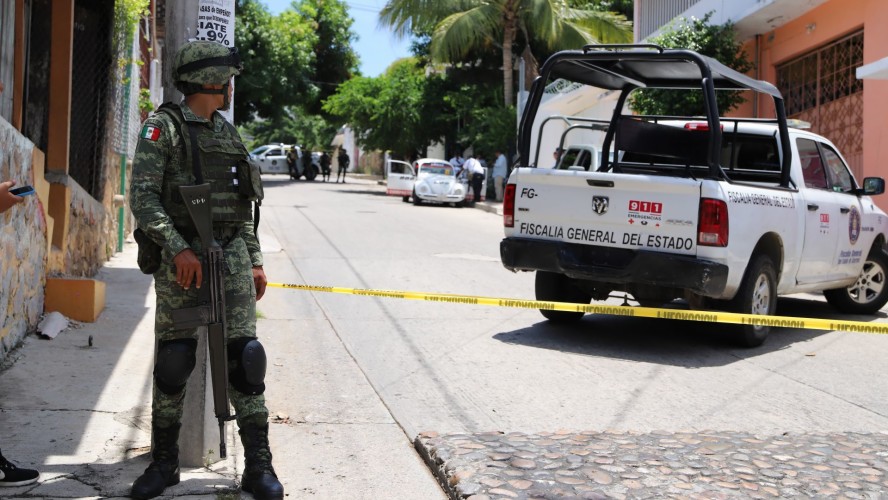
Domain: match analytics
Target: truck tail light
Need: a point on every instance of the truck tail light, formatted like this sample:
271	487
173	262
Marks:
509	206
701	126
713	225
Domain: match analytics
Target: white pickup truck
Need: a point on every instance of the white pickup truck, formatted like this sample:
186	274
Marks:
724	213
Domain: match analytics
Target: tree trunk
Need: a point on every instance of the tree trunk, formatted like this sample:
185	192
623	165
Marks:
531	67
509	30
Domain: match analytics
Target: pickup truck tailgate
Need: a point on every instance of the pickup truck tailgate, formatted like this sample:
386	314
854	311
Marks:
638	212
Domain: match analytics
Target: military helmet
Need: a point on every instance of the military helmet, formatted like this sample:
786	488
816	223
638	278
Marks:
206	63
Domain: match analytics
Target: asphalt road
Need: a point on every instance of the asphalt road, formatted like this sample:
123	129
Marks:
368	374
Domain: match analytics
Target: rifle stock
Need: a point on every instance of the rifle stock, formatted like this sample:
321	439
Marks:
211	310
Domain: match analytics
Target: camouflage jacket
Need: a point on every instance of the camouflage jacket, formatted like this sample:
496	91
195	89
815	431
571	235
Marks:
161	156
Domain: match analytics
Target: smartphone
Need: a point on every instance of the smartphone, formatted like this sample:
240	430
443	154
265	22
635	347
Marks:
22	191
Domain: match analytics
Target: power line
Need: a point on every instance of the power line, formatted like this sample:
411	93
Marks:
363	7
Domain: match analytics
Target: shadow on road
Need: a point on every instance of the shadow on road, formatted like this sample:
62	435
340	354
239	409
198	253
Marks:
681	343
372	192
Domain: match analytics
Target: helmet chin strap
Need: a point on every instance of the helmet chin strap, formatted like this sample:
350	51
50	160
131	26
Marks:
226	103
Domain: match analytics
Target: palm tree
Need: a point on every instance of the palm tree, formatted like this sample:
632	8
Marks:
461	26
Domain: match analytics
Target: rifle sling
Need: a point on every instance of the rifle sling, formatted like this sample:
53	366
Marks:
195	156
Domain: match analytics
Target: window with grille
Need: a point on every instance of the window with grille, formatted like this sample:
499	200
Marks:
821	88
822	76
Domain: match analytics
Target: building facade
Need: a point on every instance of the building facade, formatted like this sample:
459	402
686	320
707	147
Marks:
69	118
812	50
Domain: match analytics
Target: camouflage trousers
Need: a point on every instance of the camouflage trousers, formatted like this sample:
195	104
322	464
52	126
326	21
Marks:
240	315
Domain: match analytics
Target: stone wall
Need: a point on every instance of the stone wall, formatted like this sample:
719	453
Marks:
91	238
22	245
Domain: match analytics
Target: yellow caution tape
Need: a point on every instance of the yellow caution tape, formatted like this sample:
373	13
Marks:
639	312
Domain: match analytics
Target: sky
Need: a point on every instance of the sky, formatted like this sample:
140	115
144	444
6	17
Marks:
376	48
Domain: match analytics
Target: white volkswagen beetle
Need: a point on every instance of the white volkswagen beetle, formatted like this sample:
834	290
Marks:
427	180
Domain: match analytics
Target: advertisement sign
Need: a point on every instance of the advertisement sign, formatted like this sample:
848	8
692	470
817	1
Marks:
215	21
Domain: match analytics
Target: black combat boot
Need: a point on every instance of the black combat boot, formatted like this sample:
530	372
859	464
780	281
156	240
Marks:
259	477
164	468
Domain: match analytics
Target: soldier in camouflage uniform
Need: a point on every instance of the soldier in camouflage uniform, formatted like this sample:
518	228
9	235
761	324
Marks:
202	72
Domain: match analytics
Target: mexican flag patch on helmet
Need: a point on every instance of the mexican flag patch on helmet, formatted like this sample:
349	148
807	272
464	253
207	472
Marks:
150	132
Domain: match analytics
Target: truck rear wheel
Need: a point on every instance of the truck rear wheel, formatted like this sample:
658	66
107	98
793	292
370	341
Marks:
554	287
757	295
869	293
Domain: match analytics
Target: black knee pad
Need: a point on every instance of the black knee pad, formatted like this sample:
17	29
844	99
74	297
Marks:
246	365
175	362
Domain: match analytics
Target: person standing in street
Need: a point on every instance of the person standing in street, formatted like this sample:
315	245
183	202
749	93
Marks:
292	158
202	71
343	161
325	167
500	171
307	166
10	475
475	173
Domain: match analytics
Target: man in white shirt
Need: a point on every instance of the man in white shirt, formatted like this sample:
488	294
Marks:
500	171
475	173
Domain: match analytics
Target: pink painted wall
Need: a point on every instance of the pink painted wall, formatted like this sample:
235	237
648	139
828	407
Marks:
830	21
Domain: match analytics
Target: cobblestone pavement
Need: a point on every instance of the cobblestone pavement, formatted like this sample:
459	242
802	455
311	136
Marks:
711	465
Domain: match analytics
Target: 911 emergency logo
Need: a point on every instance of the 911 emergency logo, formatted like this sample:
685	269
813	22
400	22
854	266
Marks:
600	204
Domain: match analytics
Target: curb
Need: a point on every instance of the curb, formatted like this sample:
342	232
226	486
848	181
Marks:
437	466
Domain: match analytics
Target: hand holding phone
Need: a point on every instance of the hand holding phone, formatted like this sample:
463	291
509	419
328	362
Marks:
22	191
7	198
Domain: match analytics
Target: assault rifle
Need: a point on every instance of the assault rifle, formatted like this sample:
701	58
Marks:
210	311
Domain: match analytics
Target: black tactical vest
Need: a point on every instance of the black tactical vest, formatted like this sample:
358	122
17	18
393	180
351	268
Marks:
222	160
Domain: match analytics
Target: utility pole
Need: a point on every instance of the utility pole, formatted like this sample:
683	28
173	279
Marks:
199	437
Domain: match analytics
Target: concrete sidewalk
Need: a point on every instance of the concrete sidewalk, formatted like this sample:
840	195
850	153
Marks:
78	407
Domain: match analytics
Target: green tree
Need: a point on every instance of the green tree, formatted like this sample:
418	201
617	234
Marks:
460	27
698	35
335	60
292	61
624	7
491	129
275	51
311	132
385	111
315	132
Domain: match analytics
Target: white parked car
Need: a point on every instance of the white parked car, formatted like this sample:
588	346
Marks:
428	180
